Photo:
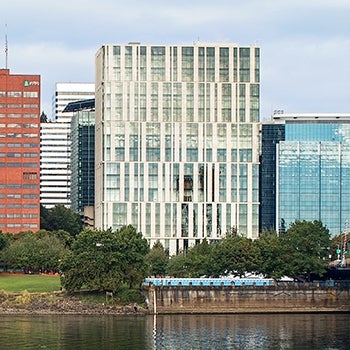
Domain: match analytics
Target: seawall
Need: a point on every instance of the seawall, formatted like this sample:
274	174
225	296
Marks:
231	299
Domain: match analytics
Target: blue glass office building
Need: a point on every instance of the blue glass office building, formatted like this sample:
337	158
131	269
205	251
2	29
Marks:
271	134
82	154
312	170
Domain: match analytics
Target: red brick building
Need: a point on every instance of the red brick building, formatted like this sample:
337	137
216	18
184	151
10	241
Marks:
19	152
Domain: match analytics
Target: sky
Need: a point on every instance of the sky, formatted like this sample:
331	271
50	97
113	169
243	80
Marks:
305	44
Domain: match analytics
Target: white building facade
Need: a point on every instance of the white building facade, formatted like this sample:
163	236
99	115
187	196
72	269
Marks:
54	164
177	141
55	144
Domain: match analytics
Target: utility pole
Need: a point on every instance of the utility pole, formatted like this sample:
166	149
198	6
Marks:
343	259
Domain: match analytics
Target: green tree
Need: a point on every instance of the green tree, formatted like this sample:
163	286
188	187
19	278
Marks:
105	260
157	260
34	252
43	117
271	256
134	263
93	262
177	266
305	247
199	259
234	255
336	247
3	240
60	218
44	217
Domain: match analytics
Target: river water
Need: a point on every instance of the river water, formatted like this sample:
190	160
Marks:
178	332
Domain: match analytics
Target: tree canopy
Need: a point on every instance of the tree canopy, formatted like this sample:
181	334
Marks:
271	257
157	260
34	251
60	218
235	255
104	260
305	248
107	260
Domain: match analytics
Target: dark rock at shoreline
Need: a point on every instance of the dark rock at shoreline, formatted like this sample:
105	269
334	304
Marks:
61	303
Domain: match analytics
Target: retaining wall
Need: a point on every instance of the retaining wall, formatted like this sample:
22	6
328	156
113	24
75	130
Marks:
168	299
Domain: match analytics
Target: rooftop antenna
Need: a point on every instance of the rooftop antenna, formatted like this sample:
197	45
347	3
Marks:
6	47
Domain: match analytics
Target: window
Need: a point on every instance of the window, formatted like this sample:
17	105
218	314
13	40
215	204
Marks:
30	125
187	63
13	216
30	225
30	165
13	186
14	93
30	216
14	135
30	176
158	63
13	125
30	155
14	105
32	94
13	196
30	196
30	206
224	64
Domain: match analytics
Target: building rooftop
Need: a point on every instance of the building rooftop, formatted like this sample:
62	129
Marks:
79	105
281	117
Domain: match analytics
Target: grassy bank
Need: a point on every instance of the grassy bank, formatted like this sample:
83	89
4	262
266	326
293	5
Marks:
20	293
16	283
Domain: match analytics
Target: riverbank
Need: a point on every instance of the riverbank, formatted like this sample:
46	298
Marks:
62	303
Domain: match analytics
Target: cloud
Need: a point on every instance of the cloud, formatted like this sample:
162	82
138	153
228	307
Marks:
304	44
306	75
54	63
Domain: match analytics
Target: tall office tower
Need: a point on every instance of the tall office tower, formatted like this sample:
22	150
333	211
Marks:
271	134
55	164
82	154
177	141
70	92
312	169
19	152
56	145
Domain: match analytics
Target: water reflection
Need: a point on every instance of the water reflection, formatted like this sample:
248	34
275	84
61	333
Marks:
243	332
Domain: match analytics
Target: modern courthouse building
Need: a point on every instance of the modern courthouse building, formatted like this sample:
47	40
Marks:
305	170
177	141
19	152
